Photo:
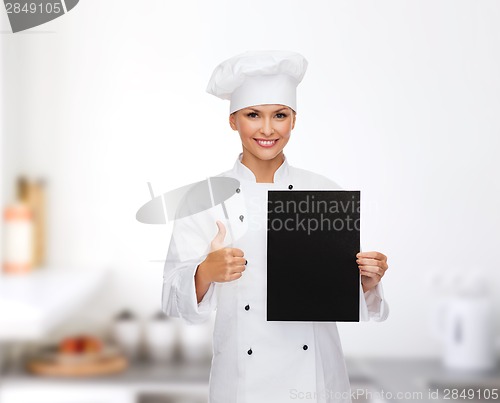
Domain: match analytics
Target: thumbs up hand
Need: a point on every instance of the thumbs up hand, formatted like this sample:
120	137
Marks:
218	241
221	264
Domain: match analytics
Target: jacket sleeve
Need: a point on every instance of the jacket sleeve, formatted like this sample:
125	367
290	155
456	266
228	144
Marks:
372	304
179	292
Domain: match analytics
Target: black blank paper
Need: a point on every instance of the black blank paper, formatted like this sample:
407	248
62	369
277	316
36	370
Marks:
312	242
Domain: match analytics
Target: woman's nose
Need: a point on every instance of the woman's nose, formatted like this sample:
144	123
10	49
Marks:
267	128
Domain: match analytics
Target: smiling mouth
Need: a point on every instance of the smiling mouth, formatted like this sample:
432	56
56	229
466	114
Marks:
266	143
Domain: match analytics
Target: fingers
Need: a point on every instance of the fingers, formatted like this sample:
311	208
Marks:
230	263
371	271
234	273
234	276
372	264
237	270
239	261
218	240
372	255
370	274
235	265
237	252
238	264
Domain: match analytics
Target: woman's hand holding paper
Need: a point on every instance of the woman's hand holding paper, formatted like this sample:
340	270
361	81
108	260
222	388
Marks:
372	267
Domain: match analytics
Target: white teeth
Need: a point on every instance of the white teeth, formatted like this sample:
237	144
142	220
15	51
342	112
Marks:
266	142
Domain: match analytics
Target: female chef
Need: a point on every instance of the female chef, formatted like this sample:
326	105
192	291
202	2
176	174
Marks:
256	361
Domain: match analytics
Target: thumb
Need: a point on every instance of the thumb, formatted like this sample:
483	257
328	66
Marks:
218	241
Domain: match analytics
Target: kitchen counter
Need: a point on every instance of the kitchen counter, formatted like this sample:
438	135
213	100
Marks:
391	380
141	382
424	380
143	373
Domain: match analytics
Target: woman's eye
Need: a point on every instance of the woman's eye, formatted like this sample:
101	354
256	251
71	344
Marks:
252	115
281	115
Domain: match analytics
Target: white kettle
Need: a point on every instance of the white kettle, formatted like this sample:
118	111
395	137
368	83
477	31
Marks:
464	323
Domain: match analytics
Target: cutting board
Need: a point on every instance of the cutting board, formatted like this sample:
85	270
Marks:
103	366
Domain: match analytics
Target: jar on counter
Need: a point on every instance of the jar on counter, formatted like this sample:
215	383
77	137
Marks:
161	338
127	333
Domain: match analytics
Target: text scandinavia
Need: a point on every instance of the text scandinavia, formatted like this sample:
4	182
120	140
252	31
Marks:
309	215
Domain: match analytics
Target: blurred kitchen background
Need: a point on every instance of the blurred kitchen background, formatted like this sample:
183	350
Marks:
401	100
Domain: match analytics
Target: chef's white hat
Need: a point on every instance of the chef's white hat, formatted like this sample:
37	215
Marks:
258	78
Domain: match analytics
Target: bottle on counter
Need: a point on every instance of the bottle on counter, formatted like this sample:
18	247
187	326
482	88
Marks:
18	234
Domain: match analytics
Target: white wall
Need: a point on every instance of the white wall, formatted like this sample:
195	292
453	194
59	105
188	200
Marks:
400	100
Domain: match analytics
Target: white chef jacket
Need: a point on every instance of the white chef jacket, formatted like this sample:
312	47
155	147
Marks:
256	361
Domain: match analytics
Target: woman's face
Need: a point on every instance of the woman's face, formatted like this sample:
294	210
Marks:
264	129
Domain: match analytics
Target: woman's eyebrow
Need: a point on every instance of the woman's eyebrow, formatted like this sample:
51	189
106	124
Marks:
278	110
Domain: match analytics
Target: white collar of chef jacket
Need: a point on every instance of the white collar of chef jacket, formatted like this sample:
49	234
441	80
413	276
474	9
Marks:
243	172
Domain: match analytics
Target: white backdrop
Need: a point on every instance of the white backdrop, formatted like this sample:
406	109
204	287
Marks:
401	100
